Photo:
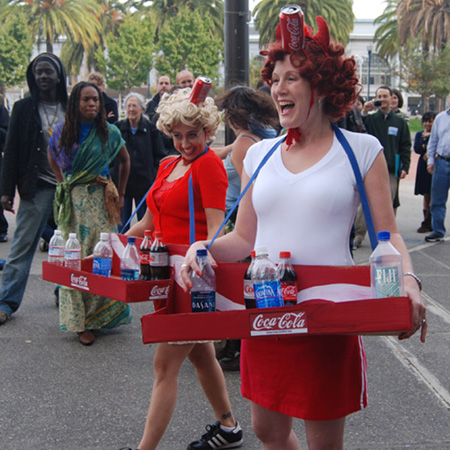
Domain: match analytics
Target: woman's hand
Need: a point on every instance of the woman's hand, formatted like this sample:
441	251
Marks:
418	312
190	264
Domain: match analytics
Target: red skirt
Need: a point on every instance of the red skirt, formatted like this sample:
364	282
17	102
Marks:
308	377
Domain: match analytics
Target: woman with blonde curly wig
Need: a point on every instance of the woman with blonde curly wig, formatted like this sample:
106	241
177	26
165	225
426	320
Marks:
191	127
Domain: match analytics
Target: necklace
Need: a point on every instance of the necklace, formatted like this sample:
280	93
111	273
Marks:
50	124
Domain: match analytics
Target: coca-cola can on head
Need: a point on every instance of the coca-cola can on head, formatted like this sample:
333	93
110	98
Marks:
292	28
200	90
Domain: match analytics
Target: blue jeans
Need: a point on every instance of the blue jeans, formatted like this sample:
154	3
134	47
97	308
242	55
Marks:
31	219
127	209
440	185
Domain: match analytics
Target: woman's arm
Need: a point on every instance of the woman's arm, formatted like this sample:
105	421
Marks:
146	223
56	169
124	171
376	183
222	152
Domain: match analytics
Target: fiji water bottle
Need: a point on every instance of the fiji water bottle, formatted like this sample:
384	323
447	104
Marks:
203	291
72	253
56	249
102	256
130	262
266	283
386	274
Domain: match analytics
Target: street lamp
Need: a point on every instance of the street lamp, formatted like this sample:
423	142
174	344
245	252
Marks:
369	51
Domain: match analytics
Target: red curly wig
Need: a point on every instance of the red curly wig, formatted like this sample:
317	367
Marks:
331	74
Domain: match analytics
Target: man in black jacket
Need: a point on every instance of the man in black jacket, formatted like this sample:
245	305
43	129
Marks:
26	167
164	86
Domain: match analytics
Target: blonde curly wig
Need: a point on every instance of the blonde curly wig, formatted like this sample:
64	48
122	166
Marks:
175	109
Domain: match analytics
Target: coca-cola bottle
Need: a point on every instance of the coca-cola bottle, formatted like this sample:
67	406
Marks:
144	255
288	279
249	292
159	259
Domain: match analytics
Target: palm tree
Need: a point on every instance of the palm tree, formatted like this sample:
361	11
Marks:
49	19
430	18
386	35
164	9
338	14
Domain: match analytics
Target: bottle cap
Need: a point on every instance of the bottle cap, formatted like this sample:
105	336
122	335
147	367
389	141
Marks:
104	236
158	234
72	235
261	251
253	254
58	232
202	252
285	254
148	233
131	240
384	235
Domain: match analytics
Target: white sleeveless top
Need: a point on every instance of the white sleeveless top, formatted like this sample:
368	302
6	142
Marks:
311	213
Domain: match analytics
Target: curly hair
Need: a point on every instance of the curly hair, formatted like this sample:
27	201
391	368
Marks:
175	109
333	76
243	106
71	128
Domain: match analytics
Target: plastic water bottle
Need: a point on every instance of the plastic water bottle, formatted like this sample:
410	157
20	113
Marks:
56	249
266	283
130	262
203	291
386	272
72	252
103	254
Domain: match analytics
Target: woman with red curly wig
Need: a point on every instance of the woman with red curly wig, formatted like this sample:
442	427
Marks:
304	200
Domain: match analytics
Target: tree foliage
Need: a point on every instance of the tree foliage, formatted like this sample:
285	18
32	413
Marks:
15	50
130	53
386	34
187	42
338	14
423	72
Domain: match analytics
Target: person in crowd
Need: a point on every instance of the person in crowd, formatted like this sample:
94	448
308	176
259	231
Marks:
294	204
438	165
393	133
145	147
185	79
26	168
397	104
4	122
87	202
112	111
423	178
164	86
252	116
191	127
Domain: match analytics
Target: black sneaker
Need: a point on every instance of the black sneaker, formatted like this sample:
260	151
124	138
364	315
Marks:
215	437
434	237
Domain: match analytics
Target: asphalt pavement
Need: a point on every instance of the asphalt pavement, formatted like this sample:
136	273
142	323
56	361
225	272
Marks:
56	394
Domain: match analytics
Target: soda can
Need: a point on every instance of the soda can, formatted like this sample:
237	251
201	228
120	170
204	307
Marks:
200	90
292	28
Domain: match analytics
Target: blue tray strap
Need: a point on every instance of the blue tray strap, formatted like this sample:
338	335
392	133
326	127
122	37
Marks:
255	174
191	212
359	181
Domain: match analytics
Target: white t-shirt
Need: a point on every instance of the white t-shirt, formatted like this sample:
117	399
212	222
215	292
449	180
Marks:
310	213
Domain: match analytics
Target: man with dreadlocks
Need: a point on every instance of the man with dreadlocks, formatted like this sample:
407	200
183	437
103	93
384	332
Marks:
26	167
86	201
304	199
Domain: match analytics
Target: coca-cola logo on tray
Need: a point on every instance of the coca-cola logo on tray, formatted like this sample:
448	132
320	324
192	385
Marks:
79	281
159	292
283	322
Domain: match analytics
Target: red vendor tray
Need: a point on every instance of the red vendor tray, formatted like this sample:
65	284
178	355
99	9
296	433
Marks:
175	322
112	287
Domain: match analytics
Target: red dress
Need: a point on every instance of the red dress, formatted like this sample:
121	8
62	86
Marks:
210	184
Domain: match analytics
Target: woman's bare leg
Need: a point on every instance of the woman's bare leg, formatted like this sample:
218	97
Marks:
212	380
325	434
166	366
